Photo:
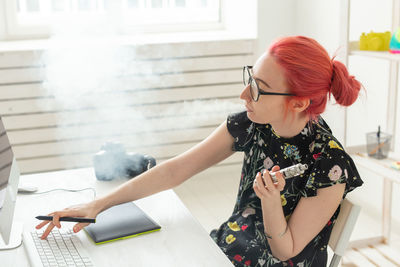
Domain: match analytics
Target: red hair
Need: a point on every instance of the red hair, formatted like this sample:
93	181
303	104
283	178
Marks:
310	73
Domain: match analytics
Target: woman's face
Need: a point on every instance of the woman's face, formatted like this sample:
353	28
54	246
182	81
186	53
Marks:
268	108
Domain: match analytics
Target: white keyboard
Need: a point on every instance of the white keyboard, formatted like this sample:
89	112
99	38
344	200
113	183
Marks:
62	248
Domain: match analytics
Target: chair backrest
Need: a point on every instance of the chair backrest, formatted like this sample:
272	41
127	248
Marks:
342	229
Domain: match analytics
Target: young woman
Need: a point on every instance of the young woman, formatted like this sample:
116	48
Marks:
282	223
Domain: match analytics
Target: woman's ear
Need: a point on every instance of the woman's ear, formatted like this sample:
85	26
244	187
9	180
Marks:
299	104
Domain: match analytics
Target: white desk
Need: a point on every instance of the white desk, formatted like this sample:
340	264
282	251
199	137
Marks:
181	241
382	168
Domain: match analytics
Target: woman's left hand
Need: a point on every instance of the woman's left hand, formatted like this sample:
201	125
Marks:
265	188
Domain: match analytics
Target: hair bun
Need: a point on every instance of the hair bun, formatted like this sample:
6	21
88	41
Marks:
344	87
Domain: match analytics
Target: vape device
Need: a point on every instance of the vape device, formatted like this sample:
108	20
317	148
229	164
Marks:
290	172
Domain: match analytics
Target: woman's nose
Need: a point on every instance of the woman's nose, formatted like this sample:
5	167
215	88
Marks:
245	94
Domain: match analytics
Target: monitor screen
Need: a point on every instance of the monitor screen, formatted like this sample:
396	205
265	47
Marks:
9	176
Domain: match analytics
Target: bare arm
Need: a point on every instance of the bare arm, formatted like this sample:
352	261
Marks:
213	149
307	220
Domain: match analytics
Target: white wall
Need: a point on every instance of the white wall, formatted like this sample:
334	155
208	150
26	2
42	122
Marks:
319	19
272	13
2	24
239	19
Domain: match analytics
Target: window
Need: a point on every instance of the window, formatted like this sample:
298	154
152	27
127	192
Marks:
36	16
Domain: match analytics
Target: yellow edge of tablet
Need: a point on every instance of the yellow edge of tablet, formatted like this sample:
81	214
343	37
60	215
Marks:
124	237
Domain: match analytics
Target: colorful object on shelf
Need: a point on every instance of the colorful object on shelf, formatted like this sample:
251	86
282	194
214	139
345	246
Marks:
395	42
396	165
375	41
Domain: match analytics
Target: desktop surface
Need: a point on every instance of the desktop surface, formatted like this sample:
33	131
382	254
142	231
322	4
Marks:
182	241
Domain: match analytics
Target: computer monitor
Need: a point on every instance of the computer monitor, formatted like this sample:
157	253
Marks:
10	235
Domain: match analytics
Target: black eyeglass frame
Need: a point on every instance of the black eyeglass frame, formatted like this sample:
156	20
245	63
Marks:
260	92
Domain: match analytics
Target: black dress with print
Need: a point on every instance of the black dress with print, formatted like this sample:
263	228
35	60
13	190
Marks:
242	236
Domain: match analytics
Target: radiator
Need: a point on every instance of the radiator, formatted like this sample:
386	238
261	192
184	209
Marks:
164	100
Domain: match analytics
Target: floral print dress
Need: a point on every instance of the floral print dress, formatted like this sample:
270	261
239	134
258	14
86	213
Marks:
242	236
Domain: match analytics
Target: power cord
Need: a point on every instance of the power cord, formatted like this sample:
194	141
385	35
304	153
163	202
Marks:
61	189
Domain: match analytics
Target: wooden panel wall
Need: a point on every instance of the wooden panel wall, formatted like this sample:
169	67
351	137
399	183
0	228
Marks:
164	101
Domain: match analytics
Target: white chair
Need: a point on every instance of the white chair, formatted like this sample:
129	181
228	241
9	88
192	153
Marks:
342	230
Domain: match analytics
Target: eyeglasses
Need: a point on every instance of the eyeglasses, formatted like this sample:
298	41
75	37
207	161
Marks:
255	90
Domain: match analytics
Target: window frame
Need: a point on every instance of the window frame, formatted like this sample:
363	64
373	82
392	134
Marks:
18	31
15	30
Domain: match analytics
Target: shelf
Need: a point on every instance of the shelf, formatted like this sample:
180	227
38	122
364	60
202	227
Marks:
374	251
355	51
382	167
376	54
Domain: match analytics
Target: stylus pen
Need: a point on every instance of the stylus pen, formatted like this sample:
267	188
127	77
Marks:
67	219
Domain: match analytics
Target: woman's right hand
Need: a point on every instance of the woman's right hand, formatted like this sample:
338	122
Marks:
87	210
